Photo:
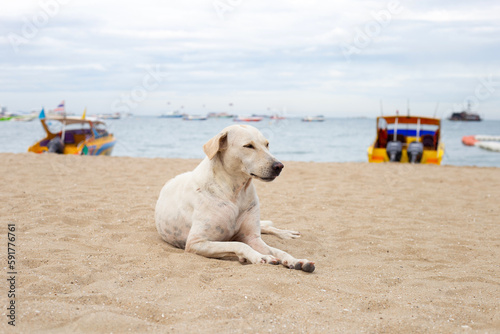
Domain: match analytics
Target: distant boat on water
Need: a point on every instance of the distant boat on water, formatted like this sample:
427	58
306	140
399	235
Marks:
173	114
220	115
465	115
24	118
247	119
319	118
115	115
194	118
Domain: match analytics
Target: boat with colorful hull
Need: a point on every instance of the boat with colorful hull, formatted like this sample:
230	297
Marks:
407	139
247	119
74	135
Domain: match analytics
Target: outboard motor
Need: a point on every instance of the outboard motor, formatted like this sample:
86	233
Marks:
394	150
56	145
415	151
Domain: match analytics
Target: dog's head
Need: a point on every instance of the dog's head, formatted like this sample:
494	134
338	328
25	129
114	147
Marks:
243	149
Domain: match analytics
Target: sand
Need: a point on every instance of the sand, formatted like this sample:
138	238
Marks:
398	249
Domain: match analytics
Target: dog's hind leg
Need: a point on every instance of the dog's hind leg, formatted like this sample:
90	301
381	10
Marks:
266	227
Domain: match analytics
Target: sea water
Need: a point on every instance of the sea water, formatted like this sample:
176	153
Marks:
334	140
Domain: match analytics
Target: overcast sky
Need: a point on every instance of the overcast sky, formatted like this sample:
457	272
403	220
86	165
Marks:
297	57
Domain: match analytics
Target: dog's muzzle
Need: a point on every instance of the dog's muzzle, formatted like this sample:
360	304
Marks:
273	172
277	167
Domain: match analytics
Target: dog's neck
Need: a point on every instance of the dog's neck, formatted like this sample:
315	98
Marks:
229	182
241	188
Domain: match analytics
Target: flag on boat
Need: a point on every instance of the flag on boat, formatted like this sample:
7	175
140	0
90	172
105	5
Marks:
42	114
60	107
84	113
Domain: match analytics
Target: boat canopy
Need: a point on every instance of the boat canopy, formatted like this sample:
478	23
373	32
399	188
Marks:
410	120
73	120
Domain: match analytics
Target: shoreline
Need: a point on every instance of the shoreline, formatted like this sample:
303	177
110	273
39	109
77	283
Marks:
196	161
398	248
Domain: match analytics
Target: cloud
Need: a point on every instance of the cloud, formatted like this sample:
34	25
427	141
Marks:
427	51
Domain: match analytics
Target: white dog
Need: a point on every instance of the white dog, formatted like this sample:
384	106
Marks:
214	210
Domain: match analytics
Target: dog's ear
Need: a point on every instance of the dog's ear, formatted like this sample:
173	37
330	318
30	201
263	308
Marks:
216	144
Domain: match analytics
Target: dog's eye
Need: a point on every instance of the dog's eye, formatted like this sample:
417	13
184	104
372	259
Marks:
249	146
267	145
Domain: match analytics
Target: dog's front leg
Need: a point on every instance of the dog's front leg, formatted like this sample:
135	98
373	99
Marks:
286	259
220	249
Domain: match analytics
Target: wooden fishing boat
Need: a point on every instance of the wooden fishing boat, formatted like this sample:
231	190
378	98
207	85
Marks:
74	135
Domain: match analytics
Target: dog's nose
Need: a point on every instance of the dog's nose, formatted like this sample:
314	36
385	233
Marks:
277	167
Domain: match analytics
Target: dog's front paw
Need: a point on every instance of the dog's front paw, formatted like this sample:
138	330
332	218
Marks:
305	265
260	259
270	260
302	264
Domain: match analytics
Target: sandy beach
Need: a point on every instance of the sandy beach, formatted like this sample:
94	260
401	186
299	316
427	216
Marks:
398	249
